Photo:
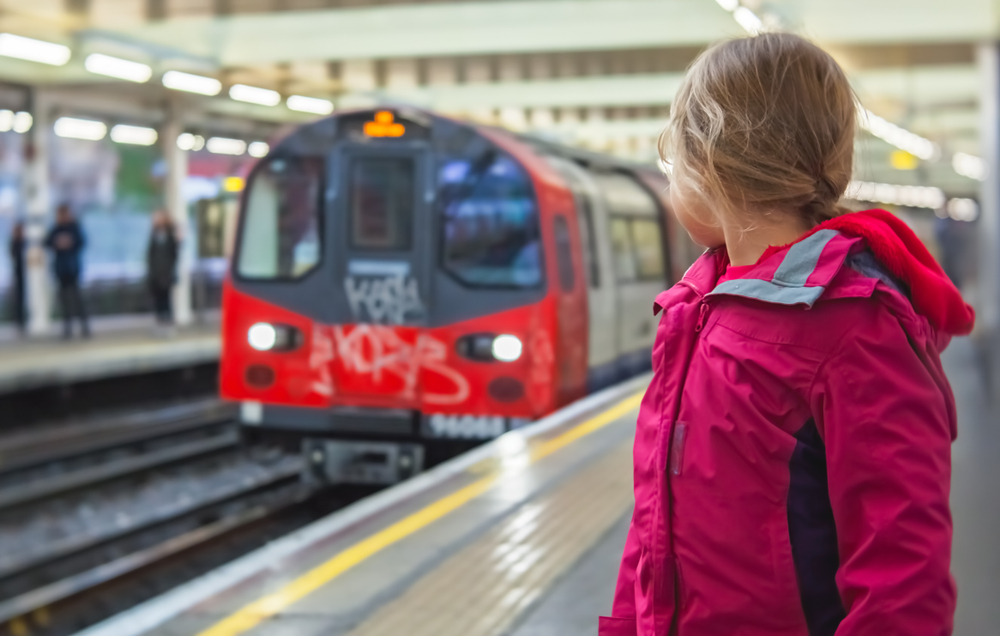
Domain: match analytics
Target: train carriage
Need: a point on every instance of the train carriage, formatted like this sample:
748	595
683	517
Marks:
405	285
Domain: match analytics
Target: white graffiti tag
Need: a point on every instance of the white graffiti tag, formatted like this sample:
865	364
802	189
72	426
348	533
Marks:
380	351
391	300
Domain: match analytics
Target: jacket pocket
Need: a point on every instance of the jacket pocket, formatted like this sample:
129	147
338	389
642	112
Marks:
611	626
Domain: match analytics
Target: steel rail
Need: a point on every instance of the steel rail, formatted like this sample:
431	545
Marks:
27	450
39	490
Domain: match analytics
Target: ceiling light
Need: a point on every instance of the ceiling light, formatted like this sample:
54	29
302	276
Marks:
313	105
134	135
729	5
258	149
187	141
73	128
896	136
6	120
225	146
254	95
748	20
192	83
118	68
33	50
23	121
963	209
909	196
969	166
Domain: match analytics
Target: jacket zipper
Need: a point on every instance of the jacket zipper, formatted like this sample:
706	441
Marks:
702	315
703	311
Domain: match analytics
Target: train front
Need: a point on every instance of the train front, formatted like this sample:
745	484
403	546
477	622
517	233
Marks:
390	302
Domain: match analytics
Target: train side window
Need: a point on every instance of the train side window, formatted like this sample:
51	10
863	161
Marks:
585	212
490	224
622	250
648	241
381	203
564	253
281	228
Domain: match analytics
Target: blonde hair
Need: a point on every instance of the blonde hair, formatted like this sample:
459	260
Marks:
764	123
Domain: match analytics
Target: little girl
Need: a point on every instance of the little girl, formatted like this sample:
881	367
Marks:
792	453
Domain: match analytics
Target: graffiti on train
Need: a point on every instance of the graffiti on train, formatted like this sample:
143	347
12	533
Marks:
390	300
384	356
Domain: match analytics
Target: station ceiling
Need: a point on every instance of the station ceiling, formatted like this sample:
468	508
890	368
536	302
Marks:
600	73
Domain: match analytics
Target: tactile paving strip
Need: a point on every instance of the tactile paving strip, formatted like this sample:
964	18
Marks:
483	589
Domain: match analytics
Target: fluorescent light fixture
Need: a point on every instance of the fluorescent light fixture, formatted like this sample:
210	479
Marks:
23	121
134	135
225	146
909	196
192	83
896	136
729	5
963	209
258	149
969	166
313	105
118	68
74	128
187	141
33	50
254	95
748	20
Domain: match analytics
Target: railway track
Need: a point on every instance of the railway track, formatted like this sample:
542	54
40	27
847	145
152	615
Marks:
188	498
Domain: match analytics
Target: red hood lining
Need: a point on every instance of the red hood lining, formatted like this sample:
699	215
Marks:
905	256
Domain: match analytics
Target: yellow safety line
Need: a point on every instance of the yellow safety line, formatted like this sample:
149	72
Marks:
260	610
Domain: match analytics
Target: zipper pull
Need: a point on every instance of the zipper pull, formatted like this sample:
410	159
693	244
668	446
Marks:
702	314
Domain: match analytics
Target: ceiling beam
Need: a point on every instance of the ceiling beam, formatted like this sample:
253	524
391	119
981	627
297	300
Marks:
445	29
522	26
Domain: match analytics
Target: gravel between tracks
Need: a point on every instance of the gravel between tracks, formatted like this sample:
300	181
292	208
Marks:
31	532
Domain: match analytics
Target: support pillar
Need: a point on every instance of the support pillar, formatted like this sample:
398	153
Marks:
35	189
177	169
987	292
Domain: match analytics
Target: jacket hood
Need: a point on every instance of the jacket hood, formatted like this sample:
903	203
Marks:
898	249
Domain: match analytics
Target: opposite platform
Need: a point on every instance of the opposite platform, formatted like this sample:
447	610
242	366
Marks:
119	347
464	549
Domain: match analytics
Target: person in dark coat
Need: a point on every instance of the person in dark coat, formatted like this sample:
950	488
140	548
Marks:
66	240
17	247
161	266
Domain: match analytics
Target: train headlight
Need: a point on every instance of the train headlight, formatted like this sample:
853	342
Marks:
507	348
262	336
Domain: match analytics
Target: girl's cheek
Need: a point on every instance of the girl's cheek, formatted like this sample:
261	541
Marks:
696	220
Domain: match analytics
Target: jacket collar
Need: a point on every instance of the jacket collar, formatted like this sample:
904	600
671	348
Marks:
795	275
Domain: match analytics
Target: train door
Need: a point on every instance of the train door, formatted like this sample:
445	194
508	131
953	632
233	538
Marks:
383	255
635	229
602	351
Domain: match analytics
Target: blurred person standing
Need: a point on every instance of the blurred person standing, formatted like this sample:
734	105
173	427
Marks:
17	247
161	266
66	240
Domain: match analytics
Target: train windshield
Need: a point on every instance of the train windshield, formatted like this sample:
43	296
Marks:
281	227
381	203
491	234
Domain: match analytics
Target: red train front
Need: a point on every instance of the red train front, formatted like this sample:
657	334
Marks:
405	285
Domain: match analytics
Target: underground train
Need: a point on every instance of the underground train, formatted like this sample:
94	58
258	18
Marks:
405	285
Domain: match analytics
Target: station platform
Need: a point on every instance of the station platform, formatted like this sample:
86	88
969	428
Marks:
119	346
520	537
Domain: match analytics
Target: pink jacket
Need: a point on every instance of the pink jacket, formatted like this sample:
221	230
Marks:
793	451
